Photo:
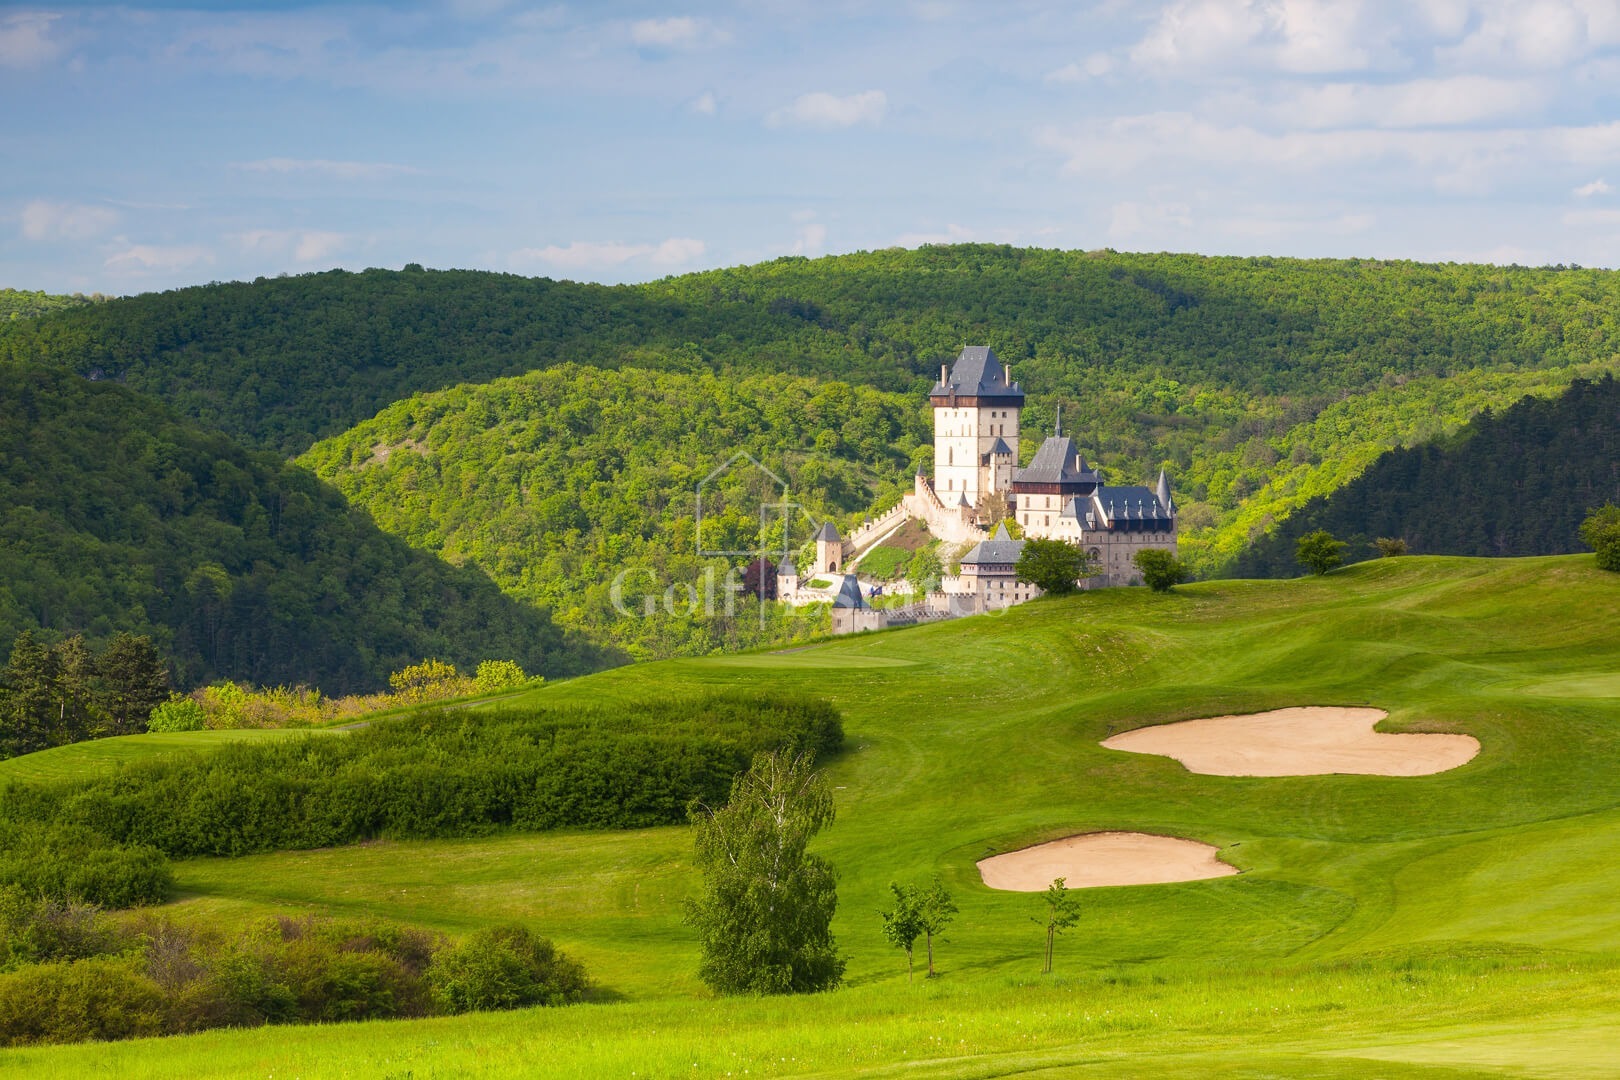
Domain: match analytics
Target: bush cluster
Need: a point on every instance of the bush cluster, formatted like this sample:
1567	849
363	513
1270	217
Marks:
73	973
423	776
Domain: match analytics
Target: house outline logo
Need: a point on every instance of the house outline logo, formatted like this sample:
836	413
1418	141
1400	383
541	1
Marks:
785	508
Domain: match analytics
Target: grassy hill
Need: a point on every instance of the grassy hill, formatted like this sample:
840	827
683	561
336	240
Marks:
1460	924
1261	383
1518	481
117	515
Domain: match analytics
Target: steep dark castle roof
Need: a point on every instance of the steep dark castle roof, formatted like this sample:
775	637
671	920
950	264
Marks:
1001	548
978	374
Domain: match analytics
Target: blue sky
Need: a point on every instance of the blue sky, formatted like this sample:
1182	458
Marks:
150	146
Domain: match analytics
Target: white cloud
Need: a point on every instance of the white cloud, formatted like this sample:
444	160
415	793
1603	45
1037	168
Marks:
302	245
1096	66
1592	217
1596	187
43	220
1540	34
812	239
824	110
705	104
1463	99
25	40
341	170
312	246
676	32
1449	161
1303	36
1132	219
592	255
138	259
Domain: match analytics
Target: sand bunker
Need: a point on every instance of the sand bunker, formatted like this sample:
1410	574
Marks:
1308	741
1109	858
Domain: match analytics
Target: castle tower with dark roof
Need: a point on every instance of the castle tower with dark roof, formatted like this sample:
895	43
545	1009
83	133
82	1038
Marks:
976	410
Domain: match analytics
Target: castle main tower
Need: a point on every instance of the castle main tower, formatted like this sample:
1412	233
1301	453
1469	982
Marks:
976	407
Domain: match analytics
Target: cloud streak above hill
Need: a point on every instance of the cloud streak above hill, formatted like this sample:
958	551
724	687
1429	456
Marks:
620	142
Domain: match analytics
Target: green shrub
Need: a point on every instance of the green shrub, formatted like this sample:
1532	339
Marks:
1601	532
496	675
179	713
39	929
103	998
430	775
71	862
505	967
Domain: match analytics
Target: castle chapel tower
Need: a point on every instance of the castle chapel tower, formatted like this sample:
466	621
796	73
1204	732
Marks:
976	407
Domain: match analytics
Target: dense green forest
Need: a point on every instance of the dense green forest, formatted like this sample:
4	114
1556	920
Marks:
20	304
1260	382
115	515
560	482
1514	482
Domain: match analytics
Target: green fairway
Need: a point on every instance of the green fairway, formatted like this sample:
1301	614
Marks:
104	755
1429	926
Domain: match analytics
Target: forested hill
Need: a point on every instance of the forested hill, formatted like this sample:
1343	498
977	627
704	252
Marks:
1260	383
116	515
1515	482
19	304
562	482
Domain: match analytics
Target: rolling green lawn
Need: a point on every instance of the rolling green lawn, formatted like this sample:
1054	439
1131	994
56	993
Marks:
1456	924
104	755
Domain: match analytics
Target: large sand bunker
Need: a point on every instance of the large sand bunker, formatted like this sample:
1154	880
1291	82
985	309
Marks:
1309	741
1108	858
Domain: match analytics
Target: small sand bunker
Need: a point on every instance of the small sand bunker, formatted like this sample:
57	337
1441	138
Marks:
1108	858
1309	741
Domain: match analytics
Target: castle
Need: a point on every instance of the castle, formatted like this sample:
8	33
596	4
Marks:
977	484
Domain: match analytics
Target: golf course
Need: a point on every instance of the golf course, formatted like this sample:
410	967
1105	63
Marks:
1463	920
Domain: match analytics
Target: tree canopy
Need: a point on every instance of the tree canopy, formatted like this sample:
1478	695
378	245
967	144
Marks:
764	913
117	516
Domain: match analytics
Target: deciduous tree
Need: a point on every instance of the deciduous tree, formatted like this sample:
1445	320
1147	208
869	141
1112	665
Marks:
764	915
1054	566
1319	552
1161	571
1062	912
1601	532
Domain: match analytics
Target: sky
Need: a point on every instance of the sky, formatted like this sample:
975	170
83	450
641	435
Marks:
150	146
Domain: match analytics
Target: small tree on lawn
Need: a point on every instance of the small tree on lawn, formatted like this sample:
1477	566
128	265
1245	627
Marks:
1161	571
918	913
1319	551
936	909
1389	547
764	915
903	926
1601	532
1053	566
1062	912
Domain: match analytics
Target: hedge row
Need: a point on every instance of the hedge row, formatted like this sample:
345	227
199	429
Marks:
79	974
428	775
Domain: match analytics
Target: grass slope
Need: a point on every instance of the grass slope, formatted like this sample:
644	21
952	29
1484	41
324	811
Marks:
1437	926
77	760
